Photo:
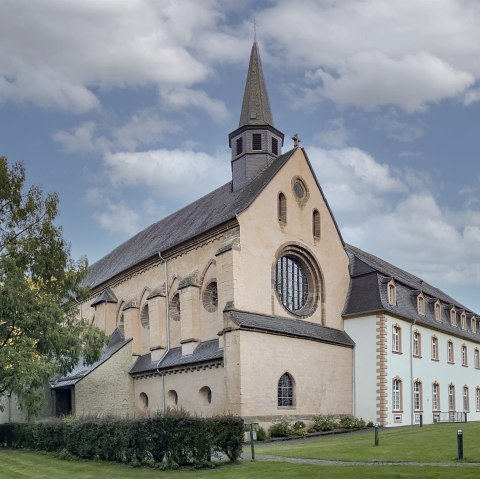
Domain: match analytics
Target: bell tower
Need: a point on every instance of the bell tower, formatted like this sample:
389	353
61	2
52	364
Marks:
256	143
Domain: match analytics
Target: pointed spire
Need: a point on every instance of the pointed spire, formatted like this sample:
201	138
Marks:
256	105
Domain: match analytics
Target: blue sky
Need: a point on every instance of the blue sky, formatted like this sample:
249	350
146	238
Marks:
124	109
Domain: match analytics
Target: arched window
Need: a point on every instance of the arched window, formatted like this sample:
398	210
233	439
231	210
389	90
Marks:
282	208
397	394
473	325
316	224
477	398
438	311
174	307
391	292
421	304
210	297
397	339
463	320
417	395
435	396
451	397
417	344
466	399
453	317
450	352
435	348
206	395
145	318
121	323
172	398
464	355
143	401
285	390
476	359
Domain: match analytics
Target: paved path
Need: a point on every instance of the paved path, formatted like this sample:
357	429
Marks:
246	456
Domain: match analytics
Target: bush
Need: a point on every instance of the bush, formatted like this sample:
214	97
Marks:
281	429
177	438
348	422
298	429
324	423
261	434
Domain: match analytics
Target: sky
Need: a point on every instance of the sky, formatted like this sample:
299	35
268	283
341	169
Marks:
124	109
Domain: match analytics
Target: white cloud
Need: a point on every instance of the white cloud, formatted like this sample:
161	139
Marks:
335	134
83	138
169	174
415	232
118	218
398	129
401	52
181	97
372	79
471	96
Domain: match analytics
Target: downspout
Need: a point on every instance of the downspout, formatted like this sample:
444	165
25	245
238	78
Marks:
412	405
353	381
167	328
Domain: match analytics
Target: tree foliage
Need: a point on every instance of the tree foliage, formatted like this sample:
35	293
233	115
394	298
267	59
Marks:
40	285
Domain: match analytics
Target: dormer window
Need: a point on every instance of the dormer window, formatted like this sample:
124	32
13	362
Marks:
392	293
421	304
473	325
463	320
453	317
239	146
438	311
256	141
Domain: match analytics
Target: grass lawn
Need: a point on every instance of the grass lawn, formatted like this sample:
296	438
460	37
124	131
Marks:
16	464
433	443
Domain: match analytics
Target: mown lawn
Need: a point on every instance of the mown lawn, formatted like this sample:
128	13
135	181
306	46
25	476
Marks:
433	443
16	464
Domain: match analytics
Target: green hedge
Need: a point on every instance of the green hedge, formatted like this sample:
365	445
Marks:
174	438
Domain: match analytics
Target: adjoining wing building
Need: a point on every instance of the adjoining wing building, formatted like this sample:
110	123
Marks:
248	301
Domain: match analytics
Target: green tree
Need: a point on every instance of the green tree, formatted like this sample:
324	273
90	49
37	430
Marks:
40	286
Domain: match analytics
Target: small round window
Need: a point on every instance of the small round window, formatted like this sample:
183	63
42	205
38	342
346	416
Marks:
299	190
297	282
210	297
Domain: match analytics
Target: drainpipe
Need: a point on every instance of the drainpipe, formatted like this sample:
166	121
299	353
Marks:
167	329
412	405
353	381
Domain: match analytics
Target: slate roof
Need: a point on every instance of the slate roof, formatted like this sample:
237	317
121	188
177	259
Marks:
117	341
369	277
107	296
290	327
256	105
210	211
205	352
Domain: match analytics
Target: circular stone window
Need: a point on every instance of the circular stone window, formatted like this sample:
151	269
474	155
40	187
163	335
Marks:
300	191
210	297
297	281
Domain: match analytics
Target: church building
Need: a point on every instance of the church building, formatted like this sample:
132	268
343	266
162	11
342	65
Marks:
248	301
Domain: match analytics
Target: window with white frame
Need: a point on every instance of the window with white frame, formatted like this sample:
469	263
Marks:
450	352
397	395
417	344
464	355
421	304
396	339
477	398
391	292
453	317
435	396
466	399
463	320
476	358
435	348
451	397
473	325
417	395
438	311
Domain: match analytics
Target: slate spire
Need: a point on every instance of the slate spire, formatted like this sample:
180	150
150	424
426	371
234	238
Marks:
256	143
256	105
